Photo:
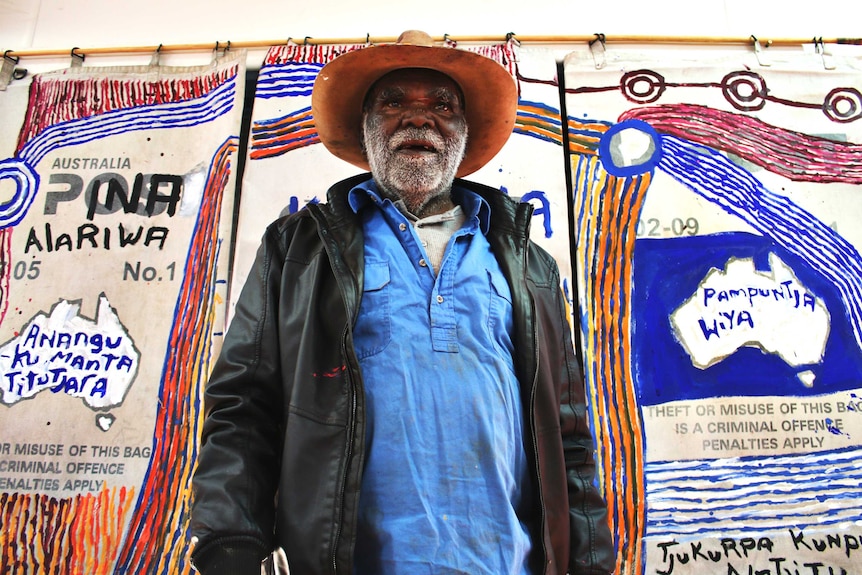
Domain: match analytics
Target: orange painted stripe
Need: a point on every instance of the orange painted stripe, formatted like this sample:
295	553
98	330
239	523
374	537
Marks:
258	154
576	147
556	136
297	119
287	137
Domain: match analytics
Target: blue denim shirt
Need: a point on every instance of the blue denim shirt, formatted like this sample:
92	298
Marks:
446	472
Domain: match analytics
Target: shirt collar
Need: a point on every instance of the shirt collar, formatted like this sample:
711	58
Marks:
473	204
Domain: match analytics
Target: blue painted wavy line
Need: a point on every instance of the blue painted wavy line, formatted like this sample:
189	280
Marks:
289	68
746	525
287	92
286	80
733	498
770	474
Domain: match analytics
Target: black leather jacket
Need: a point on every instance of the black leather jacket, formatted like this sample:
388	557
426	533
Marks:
283	441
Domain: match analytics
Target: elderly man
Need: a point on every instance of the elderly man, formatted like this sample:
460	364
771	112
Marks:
397	392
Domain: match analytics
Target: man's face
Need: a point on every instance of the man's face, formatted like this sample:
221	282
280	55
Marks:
415	133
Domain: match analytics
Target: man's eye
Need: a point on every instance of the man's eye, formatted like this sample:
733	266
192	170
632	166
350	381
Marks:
392	104
444	106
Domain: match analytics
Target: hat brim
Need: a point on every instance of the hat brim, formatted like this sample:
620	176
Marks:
490	96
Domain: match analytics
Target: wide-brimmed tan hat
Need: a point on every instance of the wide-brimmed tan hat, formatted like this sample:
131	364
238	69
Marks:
490	95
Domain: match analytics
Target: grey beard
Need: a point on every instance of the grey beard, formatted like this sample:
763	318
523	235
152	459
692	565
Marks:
416	181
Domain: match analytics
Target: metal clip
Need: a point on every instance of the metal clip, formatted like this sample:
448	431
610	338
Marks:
218	47
218	56
600	40
7	70
820	48
758	49
512	42
77	58
154	61
449	41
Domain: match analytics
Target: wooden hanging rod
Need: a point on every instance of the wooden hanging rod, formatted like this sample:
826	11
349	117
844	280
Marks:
561	39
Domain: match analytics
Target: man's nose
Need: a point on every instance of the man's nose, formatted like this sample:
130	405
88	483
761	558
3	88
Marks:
418	116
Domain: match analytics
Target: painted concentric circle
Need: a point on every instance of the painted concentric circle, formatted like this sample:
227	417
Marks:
843	105
642	86
745	90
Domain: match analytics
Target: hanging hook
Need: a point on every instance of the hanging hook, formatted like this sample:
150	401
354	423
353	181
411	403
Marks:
820	48
513	42
511	37
757	50
305	40
449	41
368	38
224	50
598	40
77	57
7	70
154	60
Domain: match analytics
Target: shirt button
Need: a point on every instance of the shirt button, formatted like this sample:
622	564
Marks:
439	299
402	226
423	263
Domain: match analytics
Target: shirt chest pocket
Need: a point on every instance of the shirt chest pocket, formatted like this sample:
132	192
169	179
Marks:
500	314
373	329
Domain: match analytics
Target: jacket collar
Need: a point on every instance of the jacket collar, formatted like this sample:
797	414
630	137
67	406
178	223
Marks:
508	216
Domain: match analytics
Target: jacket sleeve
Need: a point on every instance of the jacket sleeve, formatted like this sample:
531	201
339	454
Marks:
236	477
592	548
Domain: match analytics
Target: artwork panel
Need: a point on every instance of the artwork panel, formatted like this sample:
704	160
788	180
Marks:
113	271
719	276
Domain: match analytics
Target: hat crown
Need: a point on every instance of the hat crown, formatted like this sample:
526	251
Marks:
415	38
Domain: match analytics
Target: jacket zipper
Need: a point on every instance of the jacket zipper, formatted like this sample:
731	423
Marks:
533	386
533	435
351	424
351	431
